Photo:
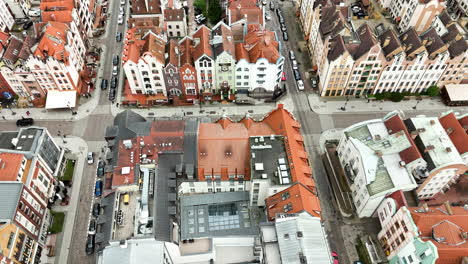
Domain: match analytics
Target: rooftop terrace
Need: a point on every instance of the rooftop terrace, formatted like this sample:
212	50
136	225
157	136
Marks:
269	160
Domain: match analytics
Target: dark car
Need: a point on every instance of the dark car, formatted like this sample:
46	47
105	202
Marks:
25	122
96	209
297	75
314	82
280	18
92	227
285	36
115	60
98	189
100	171
27	25
272	6
118	37
114	82
112	94
104	84
90	245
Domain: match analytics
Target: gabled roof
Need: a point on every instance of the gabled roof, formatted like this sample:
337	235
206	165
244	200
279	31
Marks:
433	42
222	39
13	49
337	48
458	48
455	131
202	46
10	164
3	40
174	14
367	38
295	199
185	48
171	48
53	41
410	41
133	45
241	52
145	7
155	45
247	9
445	18
333	21
57	11
389	42
453	34
262	44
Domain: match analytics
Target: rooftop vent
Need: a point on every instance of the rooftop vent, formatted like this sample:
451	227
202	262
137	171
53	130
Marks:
429	148
377	137
448	149
432	122
449	130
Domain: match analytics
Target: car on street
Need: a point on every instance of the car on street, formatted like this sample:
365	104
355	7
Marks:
272	6
267	16
114	82
90	245
96	209
280	18
314	82
292	56
115	60
25	122
92	227
112	94
90	158
283	27
120	20
100	171
122	11
115	70
285	36
297	75
98	189
294	65
264	2
27	25
283	76
335	257
300	85
122	2
118	36
104	84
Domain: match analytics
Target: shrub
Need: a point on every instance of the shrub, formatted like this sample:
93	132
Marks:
214	12
396	97
433	91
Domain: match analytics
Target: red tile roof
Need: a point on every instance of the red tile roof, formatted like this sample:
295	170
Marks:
133	45
186	51
53	42
455	131
241	9
262	44
155	45
394	125
174	14
202	46
295	199
3	40
10	164
57	10
437	223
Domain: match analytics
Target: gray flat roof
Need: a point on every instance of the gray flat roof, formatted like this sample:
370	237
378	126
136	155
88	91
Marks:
27	138
216	215
5	139
9	195
268	155
141	251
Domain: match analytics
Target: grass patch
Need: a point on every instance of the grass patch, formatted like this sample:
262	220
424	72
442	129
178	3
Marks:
69	169
362	252
57	222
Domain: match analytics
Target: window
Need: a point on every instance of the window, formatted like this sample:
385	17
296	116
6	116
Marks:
287	207
286	236
299	234
284	195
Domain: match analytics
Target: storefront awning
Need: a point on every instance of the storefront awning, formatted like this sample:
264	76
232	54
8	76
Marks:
60	99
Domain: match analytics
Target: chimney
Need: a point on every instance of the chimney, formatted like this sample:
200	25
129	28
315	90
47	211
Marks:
448	149
448	207
449	130
378	153
432	122
429	148
425	208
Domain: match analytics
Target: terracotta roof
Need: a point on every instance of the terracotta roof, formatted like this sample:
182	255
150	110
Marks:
53	42
57	10
437	223
222	40
337	48
185	47
174	14
12	51
155	45
262	44
389	42
396	124
433	42
295	199
202	46
411	41
399	198
455	131
133	45
458	48
145	7
283	123
10	164
171	51
241	52
144	23
3	40
245	9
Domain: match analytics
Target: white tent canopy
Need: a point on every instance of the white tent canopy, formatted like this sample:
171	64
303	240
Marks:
60	99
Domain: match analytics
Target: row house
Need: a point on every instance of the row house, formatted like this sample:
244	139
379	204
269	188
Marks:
176	23
144	62
188	74
6	17
414	13
225	61
171	71
247	12
459	8
204	63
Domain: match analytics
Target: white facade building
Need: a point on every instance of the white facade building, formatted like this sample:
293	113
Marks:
6	18
415	13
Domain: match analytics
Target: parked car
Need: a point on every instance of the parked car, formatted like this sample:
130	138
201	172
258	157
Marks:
122	2
115	60
297	75
25	122
115	70
283	76
300	85
118	37
100	171
90	157
264	2
283	27
92	227
122	11
98	189
294	65
104	84
96	209
267	16
272	6
314	82
112	94
280	18
27	25
90	245
285	36
292	56
114	82
120	20
34	12
335	257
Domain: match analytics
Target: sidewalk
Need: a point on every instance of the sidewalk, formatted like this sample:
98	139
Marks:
78	148
328	105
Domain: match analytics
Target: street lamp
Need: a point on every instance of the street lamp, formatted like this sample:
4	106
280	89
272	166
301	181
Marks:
71	109
12	112
415	106
343	108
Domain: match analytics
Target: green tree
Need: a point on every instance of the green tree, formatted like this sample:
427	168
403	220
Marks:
214	11
396	97
433	91
200	4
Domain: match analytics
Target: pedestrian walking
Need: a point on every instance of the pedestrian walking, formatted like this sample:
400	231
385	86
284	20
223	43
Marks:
28	113
3	117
